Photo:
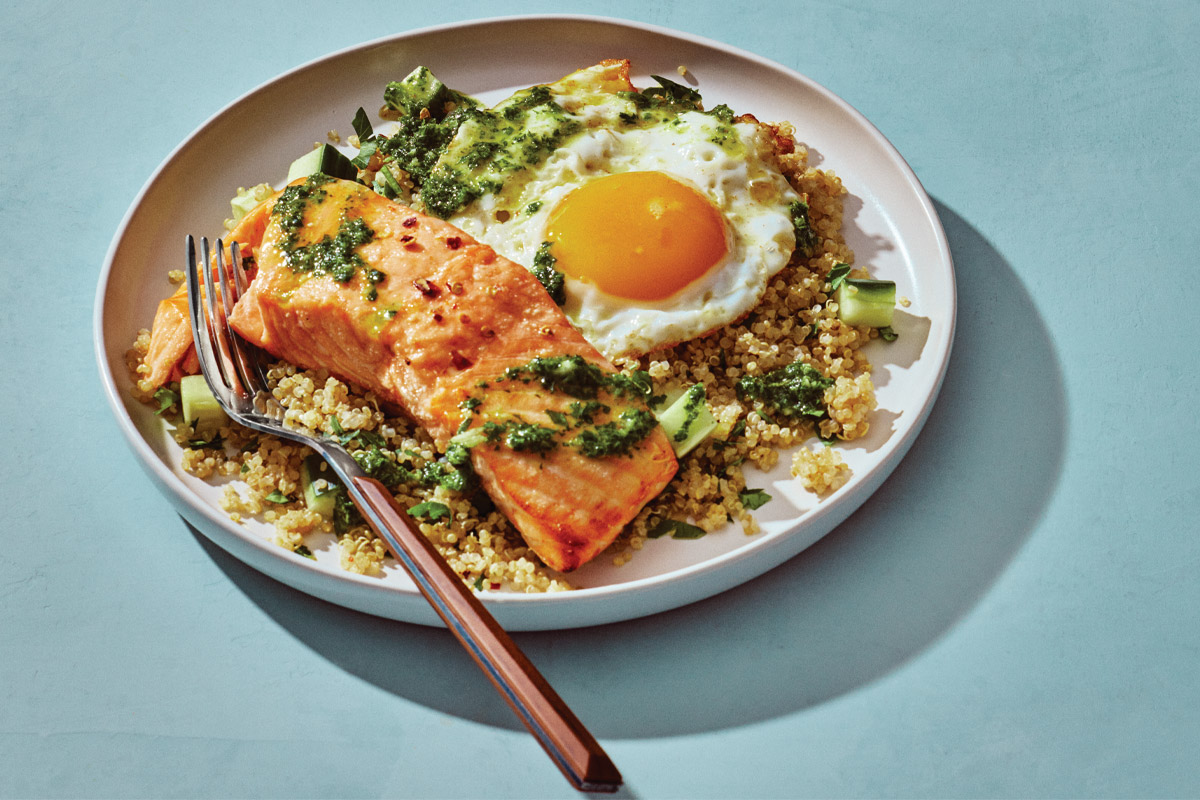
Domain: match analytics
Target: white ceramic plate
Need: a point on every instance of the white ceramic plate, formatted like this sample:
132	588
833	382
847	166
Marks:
890	222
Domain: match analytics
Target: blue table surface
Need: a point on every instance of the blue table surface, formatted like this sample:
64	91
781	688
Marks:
1013	614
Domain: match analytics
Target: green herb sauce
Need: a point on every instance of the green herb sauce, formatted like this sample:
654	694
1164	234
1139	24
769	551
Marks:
575	376
548	276
617	437
792	391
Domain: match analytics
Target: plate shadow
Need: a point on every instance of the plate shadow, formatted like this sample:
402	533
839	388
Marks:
870	596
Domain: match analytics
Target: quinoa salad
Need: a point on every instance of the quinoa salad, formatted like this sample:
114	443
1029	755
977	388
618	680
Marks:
794	327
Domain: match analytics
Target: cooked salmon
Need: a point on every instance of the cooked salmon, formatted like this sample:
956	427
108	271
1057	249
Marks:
172	353
441	325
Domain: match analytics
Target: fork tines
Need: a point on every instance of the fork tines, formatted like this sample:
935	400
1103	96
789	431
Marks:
222	354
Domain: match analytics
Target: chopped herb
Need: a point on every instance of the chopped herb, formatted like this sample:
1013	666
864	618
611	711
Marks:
888	334
838	275
670	93
479	583
362	125
754	498
301	550
166	398
806	237
758	412
278	497
430	510
345	514
215	442
677	529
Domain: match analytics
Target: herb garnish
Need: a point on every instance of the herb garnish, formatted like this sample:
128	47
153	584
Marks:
677	529
837	275
806	237
166	398
754	498
430	510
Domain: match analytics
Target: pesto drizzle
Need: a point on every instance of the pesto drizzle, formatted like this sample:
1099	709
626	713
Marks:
335	256
576	377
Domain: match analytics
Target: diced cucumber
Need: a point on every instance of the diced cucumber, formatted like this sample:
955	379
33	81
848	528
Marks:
866	302
325	159
687	421
320	488
200	408
660	403
247	199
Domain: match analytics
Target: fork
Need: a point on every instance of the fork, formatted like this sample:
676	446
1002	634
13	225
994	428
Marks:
233	370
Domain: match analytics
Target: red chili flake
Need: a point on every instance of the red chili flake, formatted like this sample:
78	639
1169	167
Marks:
453	242
406	238
488	333
459	360
426	287
463	318
411	222
437	317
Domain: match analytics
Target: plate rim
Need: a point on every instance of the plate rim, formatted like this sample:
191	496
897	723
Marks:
283	565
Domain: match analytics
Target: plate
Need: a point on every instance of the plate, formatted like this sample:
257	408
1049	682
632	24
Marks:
890	222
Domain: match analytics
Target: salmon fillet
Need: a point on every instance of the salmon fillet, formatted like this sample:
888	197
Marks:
445	328
171	353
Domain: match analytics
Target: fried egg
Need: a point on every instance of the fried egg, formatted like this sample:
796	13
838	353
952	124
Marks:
665	223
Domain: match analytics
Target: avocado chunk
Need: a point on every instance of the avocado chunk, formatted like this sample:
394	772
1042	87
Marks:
200	407
421	90
866	302
325	159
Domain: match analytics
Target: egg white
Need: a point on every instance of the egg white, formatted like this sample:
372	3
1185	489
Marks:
728	164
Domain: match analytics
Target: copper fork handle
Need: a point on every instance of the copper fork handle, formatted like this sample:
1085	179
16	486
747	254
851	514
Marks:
565	739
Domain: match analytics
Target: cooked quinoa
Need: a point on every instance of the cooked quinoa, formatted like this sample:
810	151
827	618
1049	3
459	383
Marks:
796	321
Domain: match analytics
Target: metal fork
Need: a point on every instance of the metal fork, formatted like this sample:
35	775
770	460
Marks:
232	368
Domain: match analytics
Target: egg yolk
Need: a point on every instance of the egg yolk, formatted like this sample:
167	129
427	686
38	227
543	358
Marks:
636	235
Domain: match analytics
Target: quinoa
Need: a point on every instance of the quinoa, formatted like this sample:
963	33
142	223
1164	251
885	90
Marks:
821	470
795	321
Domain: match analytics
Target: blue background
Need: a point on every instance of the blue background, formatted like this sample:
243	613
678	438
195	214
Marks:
1013	614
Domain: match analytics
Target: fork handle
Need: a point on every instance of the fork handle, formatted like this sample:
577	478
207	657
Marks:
565	739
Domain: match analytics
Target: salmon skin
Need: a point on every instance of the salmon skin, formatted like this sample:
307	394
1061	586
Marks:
471	346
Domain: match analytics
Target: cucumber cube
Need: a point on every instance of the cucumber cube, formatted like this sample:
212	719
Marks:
687	421
866	302
200	408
